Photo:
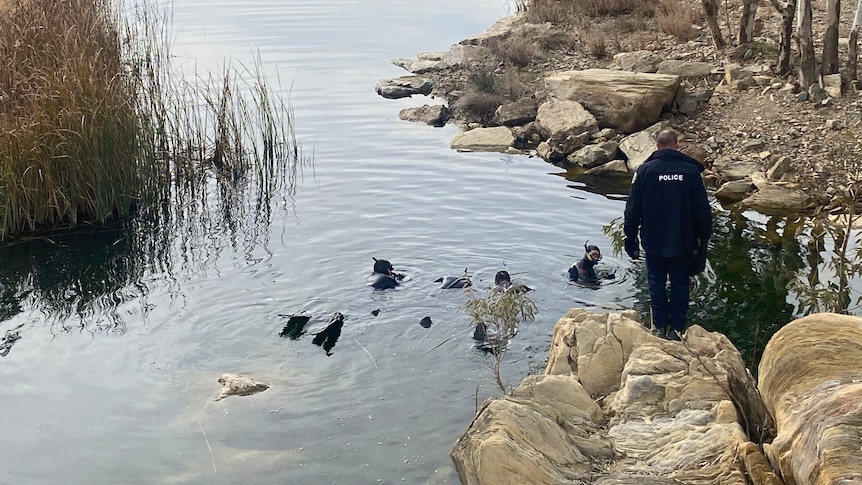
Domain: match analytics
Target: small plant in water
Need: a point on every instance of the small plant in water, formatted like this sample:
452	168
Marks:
498	313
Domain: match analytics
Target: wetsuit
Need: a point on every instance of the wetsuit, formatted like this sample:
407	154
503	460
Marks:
584	271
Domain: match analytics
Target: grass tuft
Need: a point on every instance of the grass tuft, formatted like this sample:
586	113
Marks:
676	17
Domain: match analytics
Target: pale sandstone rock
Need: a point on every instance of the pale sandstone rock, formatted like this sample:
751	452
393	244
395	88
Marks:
496	139
810	376
566	125
637	61
623	100
774	199
617	405
639	146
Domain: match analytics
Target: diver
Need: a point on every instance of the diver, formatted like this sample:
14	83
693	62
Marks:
447	282
584	270
503	282
384	275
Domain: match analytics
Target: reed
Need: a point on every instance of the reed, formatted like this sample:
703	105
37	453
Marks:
96	124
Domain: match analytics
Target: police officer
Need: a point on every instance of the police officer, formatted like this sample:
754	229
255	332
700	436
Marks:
667	205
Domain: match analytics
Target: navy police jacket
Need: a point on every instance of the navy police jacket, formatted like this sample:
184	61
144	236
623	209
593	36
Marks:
667	204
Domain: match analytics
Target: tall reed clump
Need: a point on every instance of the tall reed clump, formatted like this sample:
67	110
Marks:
68	133
96	124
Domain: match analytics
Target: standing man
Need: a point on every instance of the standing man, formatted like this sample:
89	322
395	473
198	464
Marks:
667	204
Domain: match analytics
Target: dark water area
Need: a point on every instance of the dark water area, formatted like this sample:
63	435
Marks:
114	338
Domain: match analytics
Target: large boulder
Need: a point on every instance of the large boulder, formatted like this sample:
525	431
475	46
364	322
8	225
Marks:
617	405
431	115
686	69
627	101
565	125
809	377
594	155
639	146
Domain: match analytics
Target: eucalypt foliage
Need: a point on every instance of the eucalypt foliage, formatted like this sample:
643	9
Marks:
614	231
840	228
496	315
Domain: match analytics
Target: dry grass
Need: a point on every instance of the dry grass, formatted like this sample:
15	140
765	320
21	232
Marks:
66	120
478	107
676	17
487	91
95	125
553	11
558	12
596	42
515	50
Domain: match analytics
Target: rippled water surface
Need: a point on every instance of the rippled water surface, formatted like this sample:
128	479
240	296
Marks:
118	386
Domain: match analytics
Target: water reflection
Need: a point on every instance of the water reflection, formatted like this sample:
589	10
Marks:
78	280
743	293
610	186
9	338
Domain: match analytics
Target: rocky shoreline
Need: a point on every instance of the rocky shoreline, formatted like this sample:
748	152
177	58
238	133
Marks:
599	118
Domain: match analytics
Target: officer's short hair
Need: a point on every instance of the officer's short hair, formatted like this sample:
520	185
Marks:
666	138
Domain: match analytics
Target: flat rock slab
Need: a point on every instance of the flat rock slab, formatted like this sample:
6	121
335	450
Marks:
497	139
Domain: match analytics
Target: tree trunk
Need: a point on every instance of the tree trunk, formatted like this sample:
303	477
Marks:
829	61
785	36
746	22
710	9
853	48
805	45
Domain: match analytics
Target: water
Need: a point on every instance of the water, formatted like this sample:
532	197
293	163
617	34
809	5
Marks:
114	377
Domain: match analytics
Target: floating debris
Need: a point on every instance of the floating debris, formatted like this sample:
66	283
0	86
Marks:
236	385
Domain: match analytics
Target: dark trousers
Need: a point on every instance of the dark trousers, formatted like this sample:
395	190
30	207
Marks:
668	312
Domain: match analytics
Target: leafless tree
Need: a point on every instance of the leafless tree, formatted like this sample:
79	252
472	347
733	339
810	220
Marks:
853	47
746	22
829	61
805	45
788	13
710	10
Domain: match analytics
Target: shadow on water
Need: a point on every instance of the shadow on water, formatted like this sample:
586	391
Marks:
296	326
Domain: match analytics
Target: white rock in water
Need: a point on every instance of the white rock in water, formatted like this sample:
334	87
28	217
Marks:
235	385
